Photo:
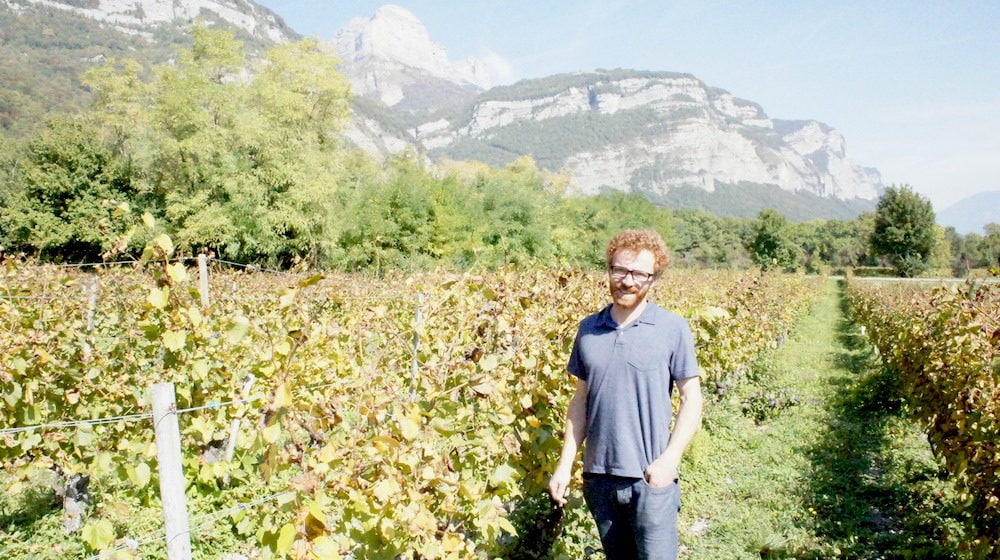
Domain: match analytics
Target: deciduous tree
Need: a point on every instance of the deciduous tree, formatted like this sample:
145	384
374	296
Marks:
771	246
904	230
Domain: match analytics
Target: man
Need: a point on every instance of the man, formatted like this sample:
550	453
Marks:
626	359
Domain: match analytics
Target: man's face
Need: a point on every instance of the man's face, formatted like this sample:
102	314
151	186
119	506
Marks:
630	276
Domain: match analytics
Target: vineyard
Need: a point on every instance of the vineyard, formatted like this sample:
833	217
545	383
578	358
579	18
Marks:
337	416
943	345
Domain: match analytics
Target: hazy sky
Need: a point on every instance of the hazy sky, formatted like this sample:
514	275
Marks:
914	86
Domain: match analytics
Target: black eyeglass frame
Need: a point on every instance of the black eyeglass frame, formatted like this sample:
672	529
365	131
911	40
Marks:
640	276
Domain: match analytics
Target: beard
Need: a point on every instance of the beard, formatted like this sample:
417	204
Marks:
627	297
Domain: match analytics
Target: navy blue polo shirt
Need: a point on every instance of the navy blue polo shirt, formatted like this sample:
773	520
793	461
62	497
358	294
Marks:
630	372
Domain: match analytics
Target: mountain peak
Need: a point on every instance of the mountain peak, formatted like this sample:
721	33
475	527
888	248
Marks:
393	41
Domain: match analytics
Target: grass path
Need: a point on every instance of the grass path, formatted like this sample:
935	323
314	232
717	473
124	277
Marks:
839	473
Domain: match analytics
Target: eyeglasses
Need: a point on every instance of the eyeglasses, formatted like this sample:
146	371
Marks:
620	272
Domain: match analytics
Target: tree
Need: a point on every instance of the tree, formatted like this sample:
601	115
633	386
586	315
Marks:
64	197
942	252
990	247
904	230
701	238
246	163
771	246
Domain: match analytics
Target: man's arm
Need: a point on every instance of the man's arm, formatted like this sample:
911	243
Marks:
573	436
663	471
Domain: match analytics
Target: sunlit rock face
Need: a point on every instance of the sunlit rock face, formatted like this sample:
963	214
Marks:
140	17
391	56
685	134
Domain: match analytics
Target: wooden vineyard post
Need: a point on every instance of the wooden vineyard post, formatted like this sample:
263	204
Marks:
92	302
172	483
414	362
203	279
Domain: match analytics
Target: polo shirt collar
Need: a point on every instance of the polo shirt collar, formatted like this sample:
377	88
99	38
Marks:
648	315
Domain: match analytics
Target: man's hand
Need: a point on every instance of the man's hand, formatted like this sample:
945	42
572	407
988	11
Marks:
559	486
661	474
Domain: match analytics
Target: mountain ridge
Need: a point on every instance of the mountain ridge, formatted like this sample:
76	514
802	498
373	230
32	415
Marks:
640	131
656	133
973	213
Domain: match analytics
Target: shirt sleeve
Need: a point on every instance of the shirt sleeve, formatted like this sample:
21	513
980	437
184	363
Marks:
575	365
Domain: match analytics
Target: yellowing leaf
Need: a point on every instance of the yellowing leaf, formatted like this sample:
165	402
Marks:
200	368
149	220
139	474
174	340
287	298
526	400
158	297
177	272
385	488
409	428
282	396
453	543
194	315
484	387
384	444
286	538
282	348
272	433
324	548
241	325
489	363
316	517
163	242
314	279
84	436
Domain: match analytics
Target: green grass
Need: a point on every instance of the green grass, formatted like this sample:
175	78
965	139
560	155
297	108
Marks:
838	471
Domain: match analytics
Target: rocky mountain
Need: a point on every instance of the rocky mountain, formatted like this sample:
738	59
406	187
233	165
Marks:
668	136
142	17
45	45
970	215
390	56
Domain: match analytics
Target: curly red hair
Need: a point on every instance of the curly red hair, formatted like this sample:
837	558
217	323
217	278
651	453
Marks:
636	240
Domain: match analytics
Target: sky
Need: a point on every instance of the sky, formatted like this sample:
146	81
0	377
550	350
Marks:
914	86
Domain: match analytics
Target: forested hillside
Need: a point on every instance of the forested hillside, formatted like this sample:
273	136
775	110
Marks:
44	50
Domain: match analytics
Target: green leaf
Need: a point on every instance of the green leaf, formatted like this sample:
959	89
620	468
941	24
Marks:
98	534
84	436
286	538
504	474
140	474
14	395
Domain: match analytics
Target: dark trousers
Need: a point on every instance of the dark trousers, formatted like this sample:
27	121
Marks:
635	520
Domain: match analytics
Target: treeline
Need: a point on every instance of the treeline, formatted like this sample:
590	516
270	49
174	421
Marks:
250	166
